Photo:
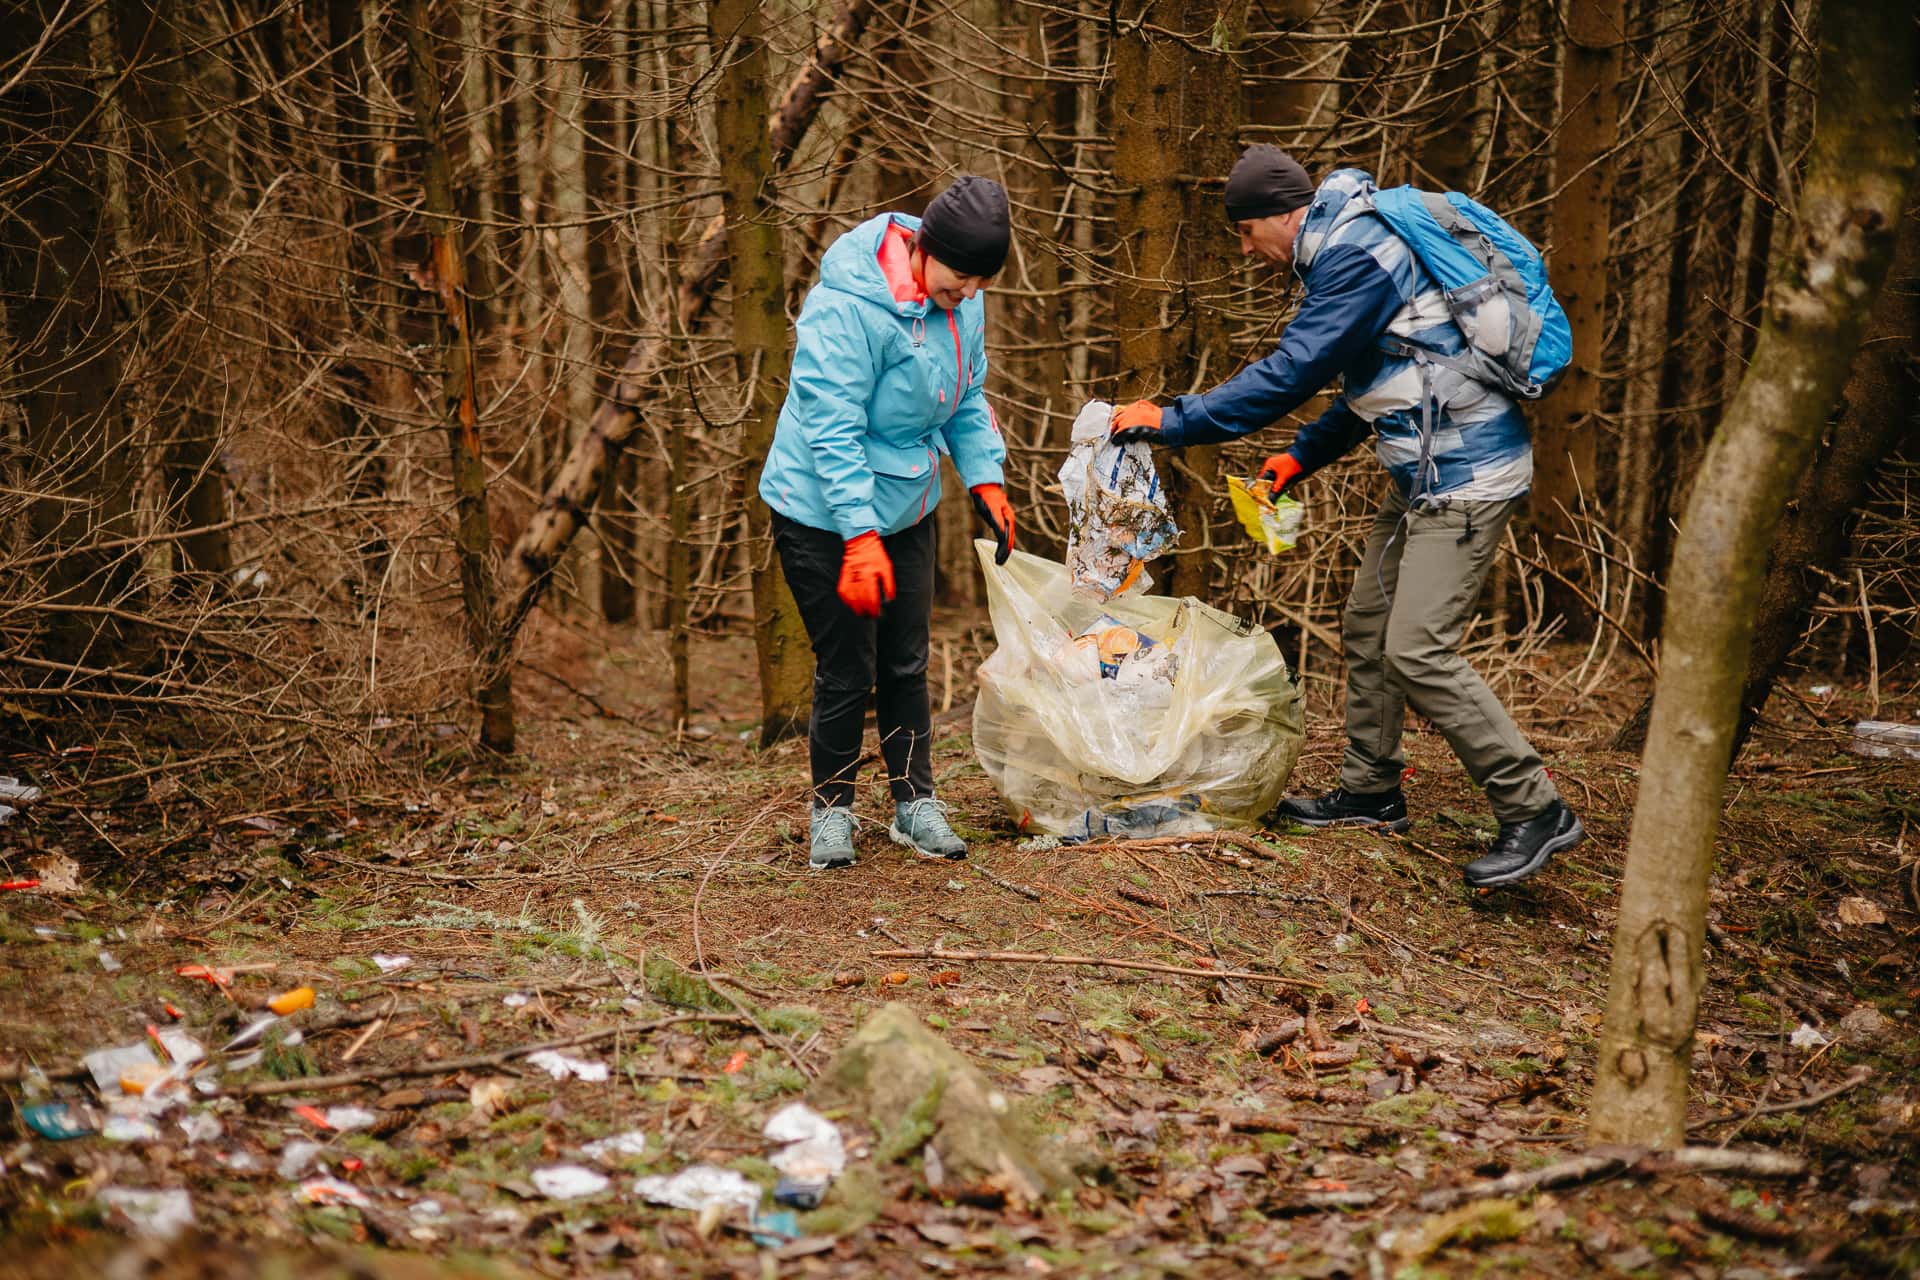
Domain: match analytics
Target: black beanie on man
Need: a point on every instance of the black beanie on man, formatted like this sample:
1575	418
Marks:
966	226
1265	181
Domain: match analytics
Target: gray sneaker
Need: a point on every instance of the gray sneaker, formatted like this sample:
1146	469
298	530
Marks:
831	832
921	825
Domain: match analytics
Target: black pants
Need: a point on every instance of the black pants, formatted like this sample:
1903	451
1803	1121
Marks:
855	656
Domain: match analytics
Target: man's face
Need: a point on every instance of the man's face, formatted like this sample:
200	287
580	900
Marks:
947	288
1270	239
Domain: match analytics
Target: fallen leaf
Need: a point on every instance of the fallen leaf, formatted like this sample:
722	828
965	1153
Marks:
58	873
489	1096
849	978
1861	911
1036	1079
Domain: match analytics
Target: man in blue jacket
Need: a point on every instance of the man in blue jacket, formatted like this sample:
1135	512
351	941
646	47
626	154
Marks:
889	373
1460	458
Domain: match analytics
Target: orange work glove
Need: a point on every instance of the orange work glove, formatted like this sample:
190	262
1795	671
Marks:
866	575
1137	421
991	502
1282	469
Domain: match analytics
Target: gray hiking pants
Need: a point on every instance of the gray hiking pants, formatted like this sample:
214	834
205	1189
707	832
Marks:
1401	647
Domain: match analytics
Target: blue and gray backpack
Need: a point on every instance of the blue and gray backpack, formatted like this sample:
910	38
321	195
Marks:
1495	286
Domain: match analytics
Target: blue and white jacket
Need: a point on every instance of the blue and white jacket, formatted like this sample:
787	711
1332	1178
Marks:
1364	286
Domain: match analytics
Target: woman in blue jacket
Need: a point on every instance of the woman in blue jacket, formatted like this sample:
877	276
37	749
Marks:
889	371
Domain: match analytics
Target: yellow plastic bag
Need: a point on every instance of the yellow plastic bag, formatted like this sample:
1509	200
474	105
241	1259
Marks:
1273	523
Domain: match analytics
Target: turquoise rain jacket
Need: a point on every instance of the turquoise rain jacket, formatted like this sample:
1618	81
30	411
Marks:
881	387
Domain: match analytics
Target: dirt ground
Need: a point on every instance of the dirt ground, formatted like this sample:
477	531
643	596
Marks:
1413	1036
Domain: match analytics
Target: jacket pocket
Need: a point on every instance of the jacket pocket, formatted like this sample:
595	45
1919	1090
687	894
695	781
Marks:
906	481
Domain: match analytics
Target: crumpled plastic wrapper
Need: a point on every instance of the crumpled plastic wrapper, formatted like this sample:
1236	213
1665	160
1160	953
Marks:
1117	514
1192	725
699	1187
812	1156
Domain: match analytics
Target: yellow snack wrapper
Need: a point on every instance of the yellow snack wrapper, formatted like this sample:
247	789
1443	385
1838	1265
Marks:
1273	523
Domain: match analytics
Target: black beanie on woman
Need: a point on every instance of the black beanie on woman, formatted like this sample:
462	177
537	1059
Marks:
966	226
1265	181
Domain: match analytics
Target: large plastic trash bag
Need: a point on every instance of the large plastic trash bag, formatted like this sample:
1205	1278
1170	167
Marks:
1117	514
1191	724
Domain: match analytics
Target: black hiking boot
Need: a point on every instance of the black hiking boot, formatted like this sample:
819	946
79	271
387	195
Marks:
1343	808
1522	849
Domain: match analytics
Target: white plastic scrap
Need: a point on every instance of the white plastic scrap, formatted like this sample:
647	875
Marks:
201	1126
1807	1036
347	1118
155	1215
108	961
296	1156
569	1181
561	1067
129	1128
698	1187
1117	512
618	1147
813	1151
108	1065
516	1000
391	964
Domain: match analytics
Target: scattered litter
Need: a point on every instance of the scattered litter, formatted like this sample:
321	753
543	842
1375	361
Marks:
218	977
120	1127
1118	517
108	961
775	1228
561	1067
250	1033
1037	844
143	1077
1807	1036
699	1187
516	1000
201	1126
426	1209
297	1157
312	1115
812	1156
246	1060
61	1120
620	1146
331	1191
1820	690
391	964
154	1215
292	1001
8	886
109	1066
1273	523
16	792
347	1119
735	1061
569	1181
1883	739
57	873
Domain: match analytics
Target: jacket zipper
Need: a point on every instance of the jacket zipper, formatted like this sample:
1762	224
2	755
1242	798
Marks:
959	365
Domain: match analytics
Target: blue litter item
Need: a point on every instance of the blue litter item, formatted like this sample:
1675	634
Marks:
60	1121
1495	286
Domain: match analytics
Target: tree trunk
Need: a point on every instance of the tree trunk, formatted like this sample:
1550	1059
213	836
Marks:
1564	448
529	566
1876	411
459	403
1858	174
756	255
65	359
1174	140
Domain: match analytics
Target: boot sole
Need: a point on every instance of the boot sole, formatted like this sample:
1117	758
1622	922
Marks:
1559	844
1393	826
898	836
832	864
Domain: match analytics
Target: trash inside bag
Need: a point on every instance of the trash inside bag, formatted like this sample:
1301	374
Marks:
1117	516
1133	717
1274	523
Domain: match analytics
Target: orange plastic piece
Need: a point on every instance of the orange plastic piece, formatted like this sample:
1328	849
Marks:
736	1061
142	1076
893	979
292	1001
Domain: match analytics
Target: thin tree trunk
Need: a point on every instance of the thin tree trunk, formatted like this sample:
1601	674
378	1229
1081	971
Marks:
1564	447
756	254
1854	195
459	405
529	566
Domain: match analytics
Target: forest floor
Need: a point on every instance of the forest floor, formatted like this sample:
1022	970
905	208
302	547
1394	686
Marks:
1434	1037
